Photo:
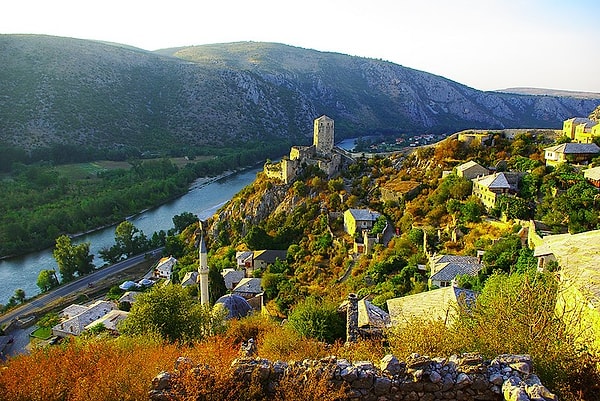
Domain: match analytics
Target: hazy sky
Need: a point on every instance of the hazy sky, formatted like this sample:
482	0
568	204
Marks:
486	44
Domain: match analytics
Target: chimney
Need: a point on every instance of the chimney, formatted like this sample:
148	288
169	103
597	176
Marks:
352	319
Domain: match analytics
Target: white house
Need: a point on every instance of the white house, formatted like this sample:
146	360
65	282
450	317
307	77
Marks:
77	317
164	269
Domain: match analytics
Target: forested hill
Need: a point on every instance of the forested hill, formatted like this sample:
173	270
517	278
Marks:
58	90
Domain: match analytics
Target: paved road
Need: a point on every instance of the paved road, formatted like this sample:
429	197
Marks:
74	286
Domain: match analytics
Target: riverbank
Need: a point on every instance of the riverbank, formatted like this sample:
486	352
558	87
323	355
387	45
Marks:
204	197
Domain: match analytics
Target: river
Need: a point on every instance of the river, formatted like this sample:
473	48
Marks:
202	199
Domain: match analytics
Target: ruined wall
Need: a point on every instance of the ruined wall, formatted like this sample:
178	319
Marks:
465	377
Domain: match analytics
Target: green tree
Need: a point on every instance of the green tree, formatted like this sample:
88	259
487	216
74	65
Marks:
19	295
183	220
71	258
47	280
216	284
317	319
169	312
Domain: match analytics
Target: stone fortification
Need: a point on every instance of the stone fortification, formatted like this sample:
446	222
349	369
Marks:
465	377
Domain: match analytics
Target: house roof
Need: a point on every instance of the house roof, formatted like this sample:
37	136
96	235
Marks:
582	120
364	214
592	173
575	148
270	255
250	285
129	296
437	304
449	271
110	320
577	255
190	278
446	258
509	180
468	165
371	315
74	310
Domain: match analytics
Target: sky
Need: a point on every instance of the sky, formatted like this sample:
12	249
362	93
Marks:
485	44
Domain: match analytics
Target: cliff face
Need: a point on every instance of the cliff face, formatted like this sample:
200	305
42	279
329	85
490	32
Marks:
59	90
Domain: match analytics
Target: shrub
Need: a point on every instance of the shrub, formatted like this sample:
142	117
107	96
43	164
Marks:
317	319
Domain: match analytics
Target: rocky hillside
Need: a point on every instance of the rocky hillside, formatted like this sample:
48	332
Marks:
60	90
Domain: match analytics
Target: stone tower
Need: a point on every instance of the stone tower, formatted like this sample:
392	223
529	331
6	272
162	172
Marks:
323	135
203	272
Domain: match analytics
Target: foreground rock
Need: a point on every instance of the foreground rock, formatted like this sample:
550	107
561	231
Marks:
465	377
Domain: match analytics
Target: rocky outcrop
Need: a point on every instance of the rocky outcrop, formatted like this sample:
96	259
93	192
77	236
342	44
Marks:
464	377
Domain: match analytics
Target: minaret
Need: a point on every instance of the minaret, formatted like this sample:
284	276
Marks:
203	272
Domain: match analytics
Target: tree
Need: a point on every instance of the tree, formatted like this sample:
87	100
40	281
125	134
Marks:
47	280
317	319
169	312
216	284
129	241
19	295
183	220
71	258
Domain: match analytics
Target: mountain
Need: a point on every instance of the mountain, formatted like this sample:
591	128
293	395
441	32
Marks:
57	90
551	92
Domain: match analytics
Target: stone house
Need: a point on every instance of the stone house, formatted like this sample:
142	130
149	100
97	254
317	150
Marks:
359	219
164	268
489	187
471	169
442	304
248	287
232	277
190	278
576	153
593	176
77	317
110	321
398	190
445	268
578	298
581	129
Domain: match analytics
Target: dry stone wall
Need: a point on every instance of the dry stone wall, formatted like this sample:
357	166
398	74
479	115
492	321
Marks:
465	377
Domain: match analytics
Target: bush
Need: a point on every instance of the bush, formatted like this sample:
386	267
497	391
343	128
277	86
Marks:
317	319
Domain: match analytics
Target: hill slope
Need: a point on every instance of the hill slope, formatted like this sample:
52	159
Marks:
60	90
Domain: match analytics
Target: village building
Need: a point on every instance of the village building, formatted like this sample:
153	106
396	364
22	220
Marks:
578	298
190	278
372	320
574	153
593	176
77	317
251	290
244	259
471	169
110	321
484	137
322	153
398	190
129	298
249	261
442	304
581	129
164	268
445	268
232	277
359	219
489	187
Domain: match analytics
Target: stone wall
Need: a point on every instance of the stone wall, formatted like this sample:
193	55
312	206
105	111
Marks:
465	377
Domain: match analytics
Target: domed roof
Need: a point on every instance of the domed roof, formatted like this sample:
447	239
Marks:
236	305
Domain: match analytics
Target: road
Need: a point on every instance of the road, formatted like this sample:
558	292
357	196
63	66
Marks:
82	283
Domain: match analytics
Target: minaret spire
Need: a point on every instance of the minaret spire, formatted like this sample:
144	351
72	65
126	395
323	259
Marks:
203	269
